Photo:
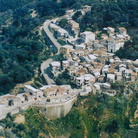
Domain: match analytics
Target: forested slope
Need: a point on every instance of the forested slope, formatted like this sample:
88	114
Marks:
23	45
12	4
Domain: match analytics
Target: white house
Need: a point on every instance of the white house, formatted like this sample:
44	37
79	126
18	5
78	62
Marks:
119	44
122	67
110	31
80	81
86	79
22	98
114	45
110	78
86	8
89	79
30	89
39	94
87	36
97	86
68	12
55	67
15	101
118	75
92	57
128	73
62	33
105	85
96	72
105	69
111	45
65	64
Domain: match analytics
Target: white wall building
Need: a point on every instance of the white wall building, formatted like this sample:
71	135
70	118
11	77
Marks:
65	64
110	78
92	57
122	67
55	67
62	33
105	85
30	89
87	36
89	79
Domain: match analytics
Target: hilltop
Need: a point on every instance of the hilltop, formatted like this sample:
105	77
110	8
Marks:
90	53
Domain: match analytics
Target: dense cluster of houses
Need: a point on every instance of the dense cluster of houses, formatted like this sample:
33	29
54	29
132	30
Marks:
50	93
47	94
90	60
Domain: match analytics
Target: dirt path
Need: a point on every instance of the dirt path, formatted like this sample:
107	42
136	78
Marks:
85	130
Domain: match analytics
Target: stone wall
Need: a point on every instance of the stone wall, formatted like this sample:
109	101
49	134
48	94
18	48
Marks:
53	111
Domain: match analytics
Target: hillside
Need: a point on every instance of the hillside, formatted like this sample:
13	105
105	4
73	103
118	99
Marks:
22	42
24	46
92	116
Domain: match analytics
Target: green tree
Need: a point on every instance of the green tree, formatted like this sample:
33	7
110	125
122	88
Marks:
6	83
63	22
112	128
76	15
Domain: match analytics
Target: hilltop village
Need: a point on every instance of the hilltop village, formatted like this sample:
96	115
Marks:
90	61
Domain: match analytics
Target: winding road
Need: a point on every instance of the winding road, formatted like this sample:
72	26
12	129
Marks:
50	35
44	70
45	64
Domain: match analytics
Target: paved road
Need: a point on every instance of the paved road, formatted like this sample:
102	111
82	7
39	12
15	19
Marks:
45	64
44	67
50	35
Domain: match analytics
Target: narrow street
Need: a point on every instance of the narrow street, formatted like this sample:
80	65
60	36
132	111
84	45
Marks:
45	64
